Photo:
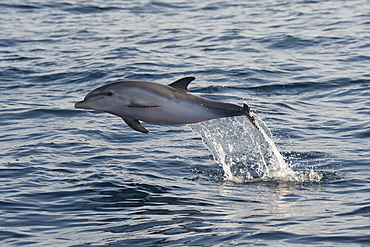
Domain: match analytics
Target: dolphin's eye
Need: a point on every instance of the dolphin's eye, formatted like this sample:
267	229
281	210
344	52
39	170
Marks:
109	93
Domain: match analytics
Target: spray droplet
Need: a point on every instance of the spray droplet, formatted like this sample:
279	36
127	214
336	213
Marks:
243	151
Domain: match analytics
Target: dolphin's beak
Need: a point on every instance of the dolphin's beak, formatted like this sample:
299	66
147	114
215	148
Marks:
86	104
80	104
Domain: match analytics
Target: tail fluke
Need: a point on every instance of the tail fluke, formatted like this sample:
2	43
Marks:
247	111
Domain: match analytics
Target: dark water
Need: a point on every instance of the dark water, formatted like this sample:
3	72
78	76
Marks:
70	177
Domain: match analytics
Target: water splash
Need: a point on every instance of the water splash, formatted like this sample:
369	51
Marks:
246	153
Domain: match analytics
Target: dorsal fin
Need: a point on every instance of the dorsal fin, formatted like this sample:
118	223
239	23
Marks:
182	83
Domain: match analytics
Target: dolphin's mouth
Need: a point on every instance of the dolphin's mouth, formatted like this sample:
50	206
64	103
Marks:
85	103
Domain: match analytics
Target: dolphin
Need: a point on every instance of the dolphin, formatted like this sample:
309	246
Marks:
156	103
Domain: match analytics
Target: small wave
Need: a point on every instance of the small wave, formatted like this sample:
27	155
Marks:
288	42
19	6
88	9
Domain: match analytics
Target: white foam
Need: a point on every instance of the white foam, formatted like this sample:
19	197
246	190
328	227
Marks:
244	152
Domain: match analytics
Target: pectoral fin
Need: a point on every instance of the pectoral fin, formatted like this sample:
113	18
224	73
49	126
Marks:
135	124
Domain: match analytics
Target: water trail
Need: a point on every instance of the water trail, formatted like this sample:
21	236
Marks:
244	152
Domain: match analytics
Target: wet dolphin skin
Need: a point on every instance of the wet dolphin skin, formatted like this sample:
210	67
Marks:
157	103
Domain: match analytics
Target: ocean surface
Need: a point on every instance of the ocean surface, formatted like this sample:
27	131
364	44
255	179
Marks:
72	177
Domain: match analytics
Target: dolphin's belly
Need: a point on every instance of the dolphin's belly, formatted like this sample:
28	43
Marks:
182	113
172	114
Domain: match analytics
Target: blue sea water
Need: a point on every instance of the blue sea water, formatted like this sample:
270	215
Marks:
70	177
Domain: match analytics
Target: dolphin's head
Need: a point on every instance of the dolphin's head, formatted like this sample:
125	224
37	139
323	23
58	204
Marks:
106	98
